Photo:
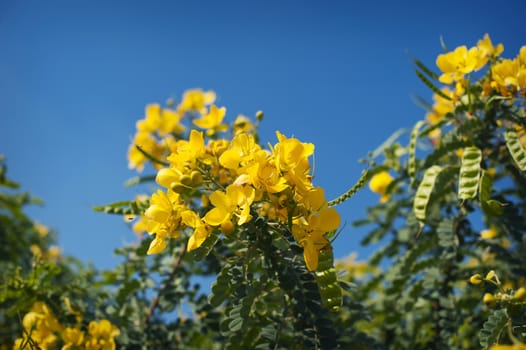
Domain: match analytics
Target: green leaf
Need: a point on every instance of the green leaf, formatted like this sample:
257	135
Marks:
493	327
446	233
485	187
123	208
490	206
139	180
127	289
150	157
387	143
515	148
423	193
330	290
431	85
352	191
411	165
426	70
468	181
205	248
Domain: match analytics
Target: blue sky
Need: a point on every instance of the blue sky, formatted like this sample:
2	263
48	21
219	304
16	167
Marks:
76	75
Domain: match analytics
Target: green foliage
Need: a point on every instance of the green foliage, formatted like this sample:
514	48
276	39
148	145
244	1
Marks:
330	290
123	208
493	328
362	181
423	193
469	173
456	212
411	164
516	149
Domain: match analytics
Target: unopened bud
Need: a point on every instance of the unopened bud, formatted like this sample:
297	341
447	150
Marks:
476	279
186	180
490	275
520	294
489	299
177	187
196	178
227	227
259	115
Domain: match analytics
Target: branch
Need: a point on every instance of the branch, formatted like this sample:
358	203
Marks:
165	286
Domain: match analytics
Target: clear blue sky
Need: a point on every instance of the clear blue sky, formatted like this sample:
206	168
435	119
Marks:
76	75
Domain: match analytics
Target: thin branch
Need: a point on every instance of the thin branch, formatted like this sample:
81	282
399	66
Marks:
155	301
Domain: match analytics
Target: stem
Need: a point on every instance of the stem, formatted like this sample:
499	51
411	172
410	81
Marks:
155	301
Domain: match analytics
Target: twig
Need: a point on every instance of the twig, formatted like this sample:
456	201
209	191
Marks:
155	301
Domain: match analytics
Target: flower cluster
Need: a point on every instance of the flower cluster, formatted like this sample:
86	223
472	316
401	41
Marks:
473	78
506	77
216	177
42	330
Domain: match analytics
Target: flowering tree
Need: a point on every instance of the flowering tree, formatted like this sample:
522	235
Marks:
448	272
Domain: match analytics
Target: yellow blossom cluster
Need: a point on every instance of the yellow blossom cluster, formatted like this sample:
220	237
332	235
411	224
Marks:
509	75
464	92
455	65
225	171
506	77
42	330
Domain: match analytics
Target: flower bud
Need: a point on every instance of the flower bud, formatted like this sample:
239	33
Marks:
489	299
491	275
177	187
259	115
520	294
476	279
186	180
196	178
227	227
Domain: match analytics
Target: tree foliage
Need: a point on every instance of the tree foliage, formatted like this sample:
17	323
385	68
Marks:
235	248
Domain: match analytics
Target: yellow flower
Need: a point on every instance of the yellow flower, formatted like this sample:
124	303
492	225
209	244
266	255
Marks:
243	124
240	152
486	48
236	201
509	75
263	174
456	64
201	229
102	335
152	119
43	326
196	100
488	233
170	122
53	253
290	152
379	183
212	121
163	218
522	56
146	141
42	230
291	157
357	269
517	346
186	153
441	107
72	338
310	233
